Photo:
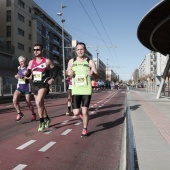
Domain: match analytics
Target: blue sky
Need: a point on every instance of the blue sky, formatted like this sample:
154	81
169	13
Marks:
109	24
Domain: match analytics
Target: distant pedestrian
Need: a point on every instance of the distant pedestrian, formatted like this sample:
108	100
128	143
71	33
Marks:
117	85
23	88
81	69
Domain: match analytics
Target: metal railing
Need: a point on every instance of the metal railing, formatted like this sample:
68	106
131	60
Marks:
7	90
152	87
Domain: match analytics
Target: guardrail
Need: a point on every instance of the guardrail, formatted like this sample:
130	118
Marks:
6	90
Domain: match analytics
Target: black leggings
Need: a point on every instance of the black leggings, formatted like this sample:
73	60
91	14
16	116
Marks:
77	100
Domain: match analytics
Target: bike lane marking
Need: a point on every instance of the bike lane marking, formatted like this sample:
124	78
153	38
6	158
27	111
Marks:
66	132
26	144
46	147
19	167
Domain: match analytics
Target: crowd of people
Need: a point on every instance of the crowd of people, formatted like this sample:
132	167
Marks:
81	77
79	73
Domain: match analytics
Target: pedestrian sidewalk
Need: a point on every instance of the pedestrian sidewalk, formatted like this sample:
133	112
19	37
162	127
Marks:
151	126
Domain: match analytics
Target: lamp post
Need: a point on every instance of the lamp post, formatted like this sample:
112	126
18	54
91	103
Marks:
63	20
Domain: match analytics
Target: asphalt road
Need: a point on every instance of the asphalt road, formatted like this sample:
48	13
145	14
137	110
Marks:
60	147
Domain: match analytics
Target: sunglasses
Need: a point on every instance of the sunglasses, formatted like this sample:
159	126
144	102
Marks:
37	49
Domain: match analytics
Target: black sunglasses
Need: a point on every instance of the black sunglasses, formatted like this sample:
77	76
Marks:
37	49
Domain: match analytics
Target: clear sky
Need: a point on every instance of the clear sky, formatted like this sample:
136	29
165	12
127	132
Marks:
109	24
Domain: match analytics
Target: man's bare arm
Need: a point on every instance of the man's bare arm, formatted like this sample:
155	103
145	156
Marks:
69	68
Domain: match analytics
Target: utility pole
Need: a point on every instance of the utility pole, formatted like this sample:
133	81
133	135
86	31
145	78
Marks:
63	20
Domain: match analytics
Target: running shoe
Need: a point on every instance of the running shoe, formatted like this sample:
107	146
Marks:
47	123
84	133
19	116
68	113
41	126
33	118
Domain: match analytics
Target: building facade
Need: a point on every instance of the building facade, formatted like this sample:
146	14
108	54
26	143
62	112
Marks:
24	23
153	65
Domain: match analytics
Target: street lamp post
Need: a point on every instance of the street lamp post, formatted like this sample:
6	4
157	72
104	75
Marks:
63	20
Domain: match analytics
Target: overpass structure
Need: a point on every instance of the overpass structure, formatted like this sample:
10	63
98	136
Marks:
154	33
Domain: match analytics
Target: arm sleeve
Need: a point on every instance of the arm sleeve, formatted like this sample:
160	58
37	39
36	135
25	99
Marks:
28	73
54	72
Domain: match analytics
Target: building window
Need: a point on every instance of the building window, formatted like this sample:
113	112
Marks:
21	3
29	49
8	42
47	34
21	32
8	31
29	36
29	23
39	28
8	16
8	3
29	10
21	18
47	47
21	46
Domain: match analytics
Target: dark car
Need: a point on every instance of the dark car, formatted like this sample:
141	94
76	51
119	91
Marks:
140	85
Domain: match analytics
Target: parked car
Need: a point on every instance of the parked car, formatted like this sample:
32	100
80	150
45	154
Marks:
140	85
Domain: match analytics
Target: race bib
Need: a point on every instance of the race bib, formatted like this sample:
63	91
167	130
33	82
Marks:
70	87
21	81
37	75
80	80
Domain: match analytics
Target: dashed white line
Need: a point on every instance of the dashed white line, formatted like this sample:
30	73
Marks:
8	106
49	131
19	167
63	123
46	147
77	123
26	144
66	132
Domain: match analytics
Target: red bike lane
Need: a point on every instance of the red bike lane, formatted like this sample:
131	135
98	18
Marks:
60	146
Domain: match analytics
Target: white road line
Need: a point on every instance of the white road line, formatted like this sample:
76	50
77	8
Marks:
46	147
66	132
50	130
74	117
91	113
19	167
26	144
63	123
77	123
8	106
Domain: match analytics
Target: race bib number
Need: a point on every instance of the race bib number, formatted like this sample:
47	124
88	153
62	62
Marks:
37	75
21	81
80	80
70	87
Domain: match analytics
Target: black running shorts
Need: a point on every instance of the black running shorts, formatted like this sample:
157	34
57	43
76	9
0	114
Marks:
37	86
80	100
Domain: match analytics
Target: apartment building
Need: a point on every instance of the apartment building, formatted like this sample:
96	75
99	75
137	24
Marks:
153	65
24	23
101	69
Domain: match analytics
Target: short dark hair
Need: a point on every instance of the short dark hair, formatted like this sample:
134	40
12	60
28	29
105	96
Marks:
39	45
81	43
